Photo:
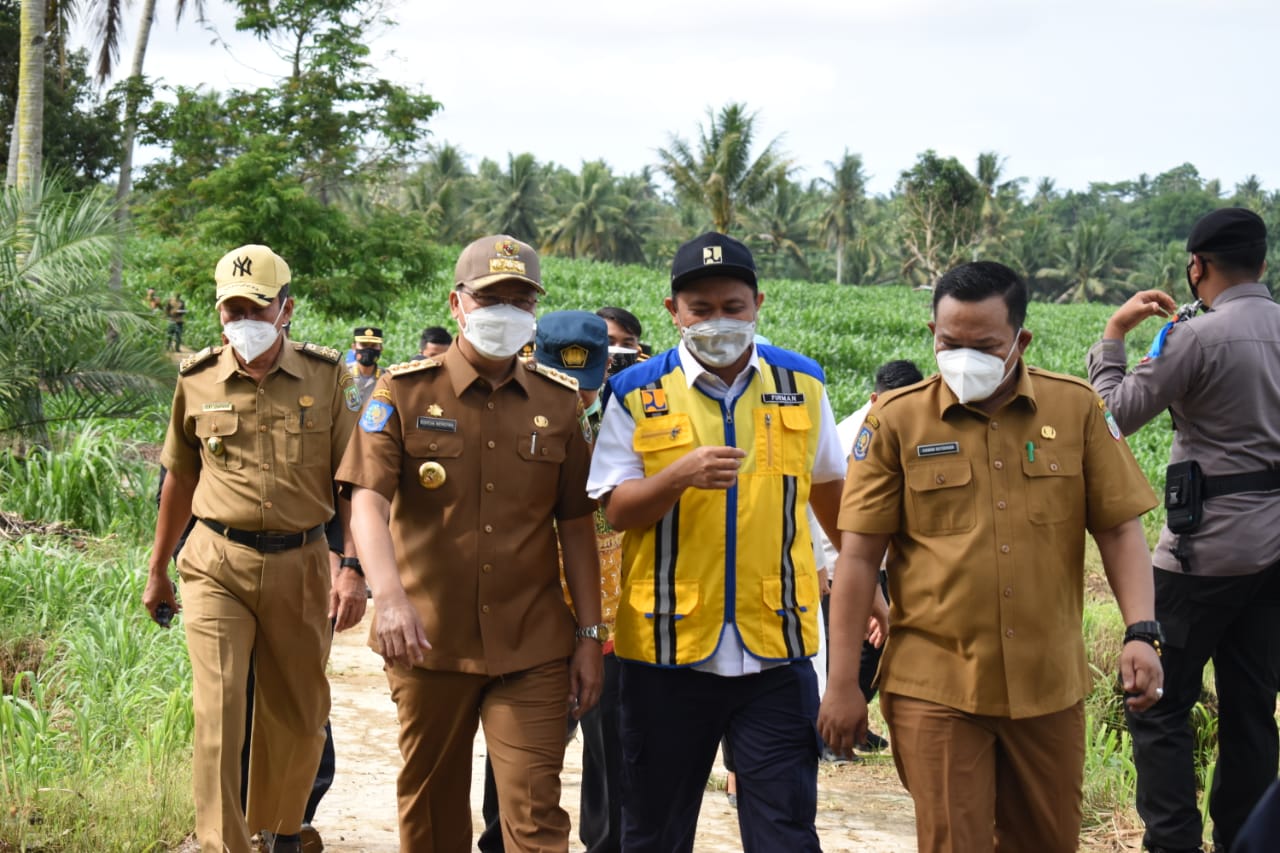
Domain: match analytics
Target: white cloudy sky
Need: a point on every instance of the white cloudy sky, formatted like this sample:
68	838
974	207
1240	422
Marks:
1080	91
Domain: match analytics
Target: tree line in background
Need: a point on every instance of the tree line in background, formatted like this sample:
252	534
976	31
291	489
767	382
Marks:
332	166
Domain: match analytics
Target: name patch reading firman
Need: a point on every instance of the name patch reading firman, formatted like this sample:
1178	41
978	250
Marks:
938	449
783	399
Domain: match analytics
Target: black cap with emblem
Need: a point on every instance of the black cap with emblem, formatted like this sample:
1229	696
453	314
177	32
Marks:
712	254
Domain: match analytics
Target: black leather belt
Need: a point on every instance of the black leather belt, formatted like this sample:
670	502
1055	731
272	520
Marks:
1254	481
266	541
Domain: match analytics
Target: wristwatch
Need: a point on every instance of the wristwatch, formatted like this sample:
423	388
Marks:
1148	632
352	563
599	633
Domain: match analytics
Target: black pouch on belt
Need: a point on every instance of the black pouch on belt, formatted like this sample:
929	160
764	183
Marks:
1184	496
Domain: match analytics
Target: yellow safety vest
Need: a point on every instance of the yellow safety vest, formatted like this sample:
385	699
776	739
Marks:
742	555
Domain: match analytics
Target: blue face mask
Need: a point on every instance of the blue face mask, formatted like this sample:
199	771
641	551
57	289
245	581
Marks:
594	407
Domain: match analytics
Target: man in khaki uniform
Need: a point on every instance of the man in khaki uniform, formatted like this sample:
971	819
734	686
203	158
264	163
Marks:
981	481
462	470
257	431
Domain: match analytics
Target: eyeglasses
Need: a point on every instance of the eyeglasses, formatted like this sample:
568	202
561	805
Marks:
488	300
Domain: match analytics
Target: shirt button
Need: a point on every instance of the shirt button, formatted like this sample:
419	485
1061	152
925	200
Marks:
1009	633
1008	592
488	528
267	504
262	390
492	445
311	424
940	479
432	446
995	425
489	405
262	428
1053	466
486	568
266	466
1004	549
484	609
488	487
1000	504
998	465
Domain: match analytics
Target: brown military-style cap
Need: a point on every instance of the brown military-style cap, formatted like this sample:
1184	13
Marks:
490	260
254	272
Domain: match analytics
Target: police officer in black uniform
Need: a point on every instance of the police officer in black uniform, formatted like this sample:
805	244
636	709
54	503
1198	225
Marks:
1218	557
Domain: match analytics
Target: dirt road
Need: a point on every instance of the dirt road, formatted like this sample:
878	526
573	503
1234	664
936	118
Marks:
860	806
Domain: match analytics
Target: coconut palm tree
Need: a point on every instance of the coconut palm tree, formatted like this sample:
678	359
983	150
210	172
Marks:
843	205
721	176
512	202
28	123
779	226
69	348
1092	262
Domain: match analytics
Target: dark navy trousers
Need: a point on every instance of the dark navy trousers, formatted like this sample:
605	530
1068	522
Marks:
672	721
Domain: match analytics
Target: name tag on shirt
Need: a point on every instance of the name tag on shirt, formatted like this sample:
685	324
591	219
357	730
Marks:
941	449
783	399
438	424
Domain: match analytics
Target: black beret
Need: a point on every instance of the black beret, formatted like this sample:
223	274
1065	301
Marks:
1226	230
712	254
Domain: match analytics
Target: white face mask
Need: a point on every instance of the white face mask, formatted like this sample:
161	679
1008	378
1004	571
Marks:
973	375
499	331
251	338
719	342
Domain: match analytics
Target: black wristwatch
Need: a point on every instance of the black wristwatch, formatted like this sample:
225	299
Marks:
352	563
1148	632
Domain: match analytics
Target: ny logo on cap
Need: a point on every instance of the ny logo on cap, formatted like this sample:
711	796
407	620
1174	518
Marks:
711	255
242	266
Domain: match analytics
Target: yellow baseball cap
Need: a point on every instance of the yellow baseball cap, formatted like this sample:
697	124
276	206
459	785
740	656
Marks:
254	272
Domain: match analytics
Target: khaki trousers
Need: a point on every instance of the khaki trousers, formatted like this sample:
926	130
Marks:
238	602
985	784
524	729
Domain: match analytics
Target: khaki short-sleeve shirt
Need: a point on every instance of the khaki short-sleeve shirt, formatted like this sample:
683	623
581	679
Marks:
477	551
988	516
265	454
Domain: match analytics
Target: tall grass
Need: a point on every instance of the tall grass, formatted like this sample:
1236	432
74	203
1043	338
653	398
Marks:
99	705
97	479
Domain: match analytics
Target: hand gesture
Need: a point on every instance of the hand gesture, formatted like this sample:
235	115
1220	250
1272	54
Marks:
711	467
1147	303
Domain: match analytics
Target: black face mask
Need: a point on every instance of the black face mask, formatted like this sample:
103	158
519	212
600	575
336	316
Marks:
368	357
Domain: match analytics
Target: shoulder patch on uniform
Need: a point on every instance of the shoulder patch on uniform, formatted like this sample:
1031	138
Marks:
192	361
1061	377
329	354
376	415
862	442
412	366
551	373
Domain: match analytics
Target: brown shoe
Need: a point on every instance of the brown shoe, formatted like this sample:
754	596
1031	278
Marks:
311	842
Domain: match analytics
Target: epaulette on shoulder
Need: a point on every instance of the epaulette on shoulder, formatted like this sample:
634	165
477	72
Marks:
551	373
411	366
191	362
329	354
906	390
1061	377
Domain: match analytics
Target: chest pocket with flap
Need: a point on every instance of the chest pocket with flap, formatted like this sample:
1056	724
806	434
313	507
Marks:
940	496
663	440
219	431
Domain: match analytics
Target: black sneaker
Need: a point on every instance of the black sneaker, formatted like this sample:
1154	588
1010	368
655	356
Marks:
829	756
873	743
